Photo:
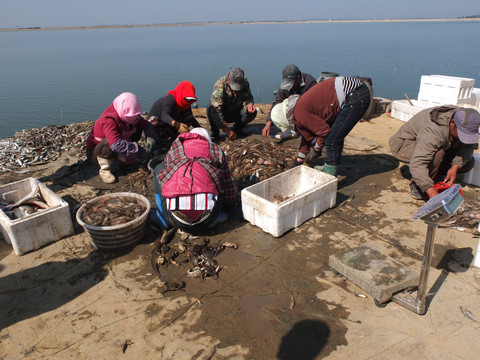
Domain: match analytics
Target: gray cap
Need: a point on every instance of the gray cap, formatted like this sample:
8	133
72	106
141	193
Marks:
289	74
467	122
236	77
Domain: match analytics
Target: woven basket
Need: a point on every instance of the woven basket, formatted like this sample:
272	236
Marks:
116	237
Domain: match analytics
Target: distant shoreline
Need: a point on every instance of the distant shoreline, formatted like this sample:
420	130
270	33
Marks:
39	28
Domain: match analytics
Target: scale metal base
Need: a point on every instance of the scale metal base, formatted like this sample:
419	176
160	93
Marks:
381	276
387	279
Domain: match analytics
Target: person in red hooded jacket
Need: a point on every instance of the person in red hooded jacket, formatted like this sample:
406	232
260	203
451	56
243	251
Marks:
172	114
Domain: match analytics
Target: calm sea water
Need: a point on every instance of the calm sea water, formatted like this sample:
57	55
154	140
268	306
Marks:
61	77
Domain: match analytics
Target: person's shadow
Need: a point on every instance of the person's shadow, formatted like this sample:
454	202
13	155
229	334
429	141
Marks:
304	341
43	288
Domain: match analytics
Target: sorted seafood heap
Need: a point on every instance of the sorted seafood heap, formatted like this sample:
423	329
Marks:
39	146
465	219
199	255
254	160
112	211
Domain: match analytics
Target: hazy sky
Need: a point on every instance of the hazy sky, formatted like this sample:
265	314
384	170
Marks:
47	13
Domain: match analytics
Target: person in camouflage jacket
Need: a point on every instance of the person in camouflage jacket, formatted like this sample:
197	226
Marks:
231	102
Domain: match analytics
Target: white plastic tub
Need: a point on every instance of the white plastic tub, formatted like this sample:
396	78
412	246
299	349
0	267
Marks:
402	110
445	90
116	237
287	200
37	229
473	176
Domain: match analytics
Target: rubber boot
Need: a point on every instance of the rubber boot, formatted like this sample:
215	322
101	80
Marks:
104	172
330	169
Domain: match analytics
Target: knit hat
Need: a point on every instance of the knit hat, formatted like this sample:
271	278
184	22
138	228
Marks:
202	132
467	122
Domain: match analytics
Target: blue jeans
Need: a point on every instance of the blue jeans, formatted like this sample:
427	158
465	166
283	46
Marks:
356	104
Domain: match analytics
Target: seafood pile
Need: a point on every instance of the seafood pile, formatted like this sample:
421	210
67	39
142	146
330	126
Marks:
25	208
112	211
197	253
254	160
39	146
465	219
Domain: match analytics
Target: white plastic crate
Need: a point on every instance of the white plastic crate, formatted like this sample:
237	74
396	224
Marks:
287	200
37	229
445	90
402	110
473	176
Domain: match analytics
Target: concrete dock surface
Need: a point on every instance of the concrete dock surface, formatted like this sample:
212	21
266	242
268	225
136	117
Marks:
274	298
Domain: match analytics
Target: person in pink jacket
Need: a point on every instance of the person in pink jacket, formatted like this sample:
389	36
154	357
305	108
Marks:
115	135
193	183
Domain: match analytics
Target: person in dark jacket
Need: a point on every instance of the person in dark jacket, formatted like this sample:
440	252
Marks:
294	82
193	184
172	114
327	113
436	141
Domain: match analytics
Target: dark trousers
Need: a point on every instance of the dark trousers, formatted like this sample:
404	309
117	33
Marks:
356	103
103	149
442	162
240	117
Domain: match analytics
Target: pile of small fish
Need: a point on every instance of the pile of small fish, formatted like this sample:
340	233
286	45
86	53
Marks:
254	160
111	211
465	219
198	254
39	146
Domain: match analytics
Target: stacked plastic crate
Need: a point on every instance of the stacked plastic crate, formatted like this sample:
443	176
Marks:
437	90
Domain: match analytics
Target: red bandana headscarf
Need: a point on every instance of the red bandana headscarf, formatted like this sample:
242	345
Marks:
183	90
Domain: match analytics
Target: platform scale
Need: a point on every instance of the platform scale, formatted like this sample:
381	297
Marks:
385	278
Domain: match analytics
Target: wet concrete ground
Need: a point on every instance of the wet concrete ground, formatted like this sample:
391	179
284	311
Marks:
275	298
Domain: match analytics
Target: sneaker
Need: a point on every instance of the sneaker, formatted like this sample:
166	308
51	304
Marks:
287	135
415	191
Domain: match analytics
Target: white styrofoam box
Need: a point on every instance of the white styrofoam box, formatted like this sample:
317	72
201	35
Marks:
37	229
287	200
402	110
475	98
473	176
445	90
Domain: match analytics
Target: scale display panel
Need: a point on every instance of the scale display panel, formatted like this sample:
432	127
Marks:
441	206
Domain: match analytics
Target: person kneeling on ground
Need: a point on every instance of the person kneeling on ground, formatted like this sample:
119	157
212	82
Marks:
193	184
436	142
282	121
172	114
116	133
325	115
294	82
231	102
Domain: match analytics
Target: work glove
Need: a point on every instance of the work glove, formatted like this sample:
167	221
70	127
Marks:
181	127
142	153
150	144
295	164
313	154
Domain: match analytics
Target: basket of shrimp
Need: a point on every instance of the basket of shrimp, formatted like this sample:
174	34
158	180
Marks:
115	221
